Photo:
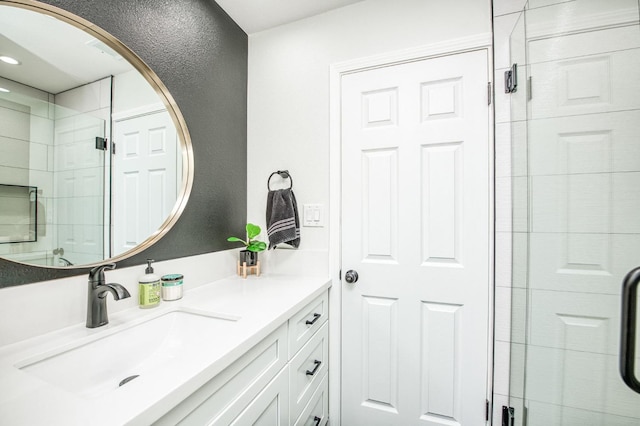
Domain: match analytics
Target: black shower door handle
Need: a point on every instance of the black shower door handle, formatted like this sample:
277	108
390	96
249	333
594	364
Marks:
628	329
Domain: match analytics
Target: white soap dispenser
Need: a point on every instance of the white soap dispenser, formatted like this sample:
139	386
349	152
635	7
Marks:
149	288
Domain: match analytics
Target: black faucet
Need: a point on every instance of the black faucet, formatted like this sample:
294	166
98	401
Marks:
97	295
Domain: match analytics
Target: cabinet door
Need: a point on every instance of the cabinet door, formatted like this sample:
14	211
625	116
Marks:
270	407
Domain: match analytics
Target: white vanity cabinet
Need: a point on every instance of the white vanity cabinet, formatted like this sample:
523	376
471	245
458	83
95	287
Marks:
280	381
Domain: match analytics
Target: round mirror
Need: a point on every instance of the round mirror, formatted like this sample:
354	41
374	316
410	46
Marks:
95	157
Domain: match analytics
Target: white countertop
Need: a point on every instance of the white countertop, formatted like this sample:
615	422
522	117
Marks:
261	304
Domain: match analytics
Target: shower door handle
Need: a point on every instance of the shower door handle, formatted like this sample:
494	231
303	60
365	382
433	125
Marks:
628	329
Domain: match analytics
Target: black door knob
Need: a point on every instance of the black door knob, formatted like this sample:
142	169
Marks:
351	276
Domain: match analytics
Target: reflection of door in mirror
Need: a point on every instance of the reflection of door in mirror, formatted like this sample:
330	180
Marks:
145	178
144	175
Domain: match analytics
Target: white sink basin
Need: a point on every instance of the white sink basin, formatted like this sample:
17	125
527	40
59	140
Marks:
93	368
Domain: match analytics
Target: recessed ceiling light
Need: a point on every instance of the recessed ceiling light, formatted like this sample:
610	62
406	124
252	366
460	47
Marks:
3	90
9	60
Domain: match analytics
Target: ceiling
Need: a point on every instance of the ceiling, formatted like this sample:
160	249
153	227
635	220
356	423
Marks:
259	15
72	57
54	56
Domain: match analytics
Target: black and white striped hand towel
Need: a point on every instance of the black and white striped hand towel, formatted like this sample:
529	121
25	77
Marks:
283	224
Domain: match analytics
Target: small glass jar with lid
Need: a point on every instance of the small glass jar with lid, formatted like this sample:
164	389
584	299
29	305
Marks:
172	286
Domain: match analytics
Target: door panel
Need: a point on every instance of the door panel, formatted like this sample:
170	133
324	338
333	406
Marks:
145	162
415	225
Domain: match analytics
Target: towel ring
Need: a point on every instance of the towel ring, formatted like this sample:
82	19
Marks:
283	174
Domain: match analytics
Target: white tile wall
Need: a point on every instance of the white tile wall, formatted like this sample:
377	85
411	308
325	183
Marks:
15	124
14	154
82	99
25	134
560	415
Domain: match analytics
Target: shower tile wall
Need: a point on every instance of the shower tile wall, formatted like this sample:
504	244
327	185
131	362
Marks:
46	145
26	151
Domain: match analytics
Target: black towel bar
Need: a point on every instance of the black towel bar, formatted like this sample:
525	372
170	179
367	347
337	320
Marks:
283	174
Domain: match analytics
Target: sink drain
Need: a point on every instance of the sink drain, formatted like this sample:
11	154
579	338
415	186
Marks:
128	379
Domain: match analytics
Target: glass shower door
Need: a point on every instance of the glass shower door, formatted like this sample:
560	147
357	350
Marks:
582	215
80	188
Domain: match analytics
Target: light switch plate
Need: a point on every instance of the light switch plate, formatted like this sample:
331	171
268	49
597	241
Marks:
313	215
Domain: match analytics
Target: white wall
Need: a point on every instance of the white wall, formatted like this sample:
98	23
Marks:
289	108
288	103
132	91
34	309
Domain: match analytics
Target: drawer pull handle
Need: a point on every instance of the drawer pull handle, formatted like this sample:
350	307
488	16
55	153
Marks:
313	321
315	369
317	420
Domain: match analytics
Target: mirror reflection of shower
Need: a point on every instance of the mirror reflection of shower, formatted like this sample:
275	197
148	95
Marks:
90	159
50	145
89	201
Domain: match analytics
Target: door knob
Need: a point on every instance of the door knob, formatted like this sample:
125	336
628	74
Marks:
351	276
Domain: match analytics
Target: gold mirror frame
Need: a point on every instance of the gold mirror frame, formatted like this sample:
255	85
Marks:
163	93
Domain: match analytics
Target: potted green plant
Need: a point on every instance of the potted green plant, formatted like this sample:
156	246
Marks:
253	246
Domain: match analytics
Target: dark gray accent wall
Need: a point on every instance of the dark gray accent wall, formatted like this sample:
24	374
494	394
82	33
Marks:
200	54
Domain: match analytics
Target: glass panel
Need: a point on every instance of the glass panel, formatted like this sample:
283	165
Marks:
575	218
53	148
519	217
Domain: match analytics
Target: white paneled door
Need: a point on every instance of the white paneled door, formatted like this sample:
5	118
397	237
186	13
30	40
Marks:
416	229
145	177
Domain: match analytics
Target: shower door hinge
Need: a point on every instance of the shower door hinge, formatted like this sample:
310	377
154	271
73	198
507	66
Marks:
486	411
511	79
508	416
113	148
529	89
101	143
489	93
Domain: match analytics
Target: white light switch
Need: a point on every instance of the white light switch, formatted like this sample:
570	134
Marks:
313	215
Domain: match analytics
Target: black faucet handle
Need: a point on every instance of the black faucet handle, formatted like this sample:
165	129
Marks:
96	274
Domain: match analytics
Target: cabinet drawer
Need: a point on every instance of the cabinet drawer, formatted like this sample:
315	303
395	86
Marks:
270	407
316	413
225	396
306	322
308	368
